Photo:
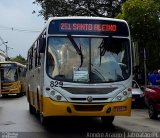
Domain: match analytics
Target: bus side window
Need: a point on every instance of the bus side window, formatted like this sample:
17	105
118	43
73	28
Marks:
42	42
35	54
38	55
51	64
30	59
22	72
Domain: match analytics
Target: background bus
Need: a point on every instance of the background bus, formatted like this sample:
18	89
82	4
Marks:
81	66
13	78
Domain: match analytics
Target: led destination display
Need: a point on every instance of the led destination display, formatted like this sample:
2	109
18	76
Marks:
88	27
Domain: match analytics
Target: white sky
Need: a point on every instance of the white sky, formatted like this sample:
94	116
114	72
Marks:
17	14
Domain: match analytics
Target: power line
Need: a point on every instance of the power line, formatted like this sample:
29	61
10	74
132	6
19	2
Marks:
18	30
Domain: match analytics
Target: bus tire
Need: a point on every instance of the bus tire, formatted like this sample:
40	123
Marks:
4	95
19	94
43	120
31	109
38	102
107	120
28	95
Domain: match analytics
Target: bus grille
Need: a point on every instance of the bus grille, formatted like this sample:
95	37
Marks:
5	87
73	90
88	107
84	99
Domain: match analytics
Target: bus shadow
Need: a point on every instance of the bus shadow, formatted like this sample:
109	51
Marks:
153	120
81	126
10	96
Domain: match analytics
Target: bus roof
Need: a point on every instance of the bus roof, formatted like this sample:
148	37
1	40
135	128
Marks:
13	62
85	17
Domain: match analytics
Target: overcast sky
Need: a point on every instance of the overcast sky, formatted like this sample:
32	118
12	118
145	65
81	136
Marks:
16	16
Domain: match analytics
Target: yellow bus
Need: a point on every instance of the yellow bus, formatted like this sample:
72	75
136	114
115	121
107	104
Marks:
81	66
13	78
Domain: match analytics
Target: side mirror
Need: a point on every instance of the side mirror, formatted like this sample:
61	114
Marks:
42	45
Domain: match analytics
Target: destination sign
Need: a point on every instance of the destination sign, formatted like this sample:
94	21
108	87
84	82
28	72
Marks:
7	65
88	27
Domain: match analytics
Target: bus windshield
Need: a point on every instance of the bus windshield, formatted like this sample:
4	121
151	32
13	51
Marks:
8	73
88	59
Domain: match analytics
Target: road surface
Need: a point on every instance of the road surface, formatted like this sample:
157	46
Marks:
16	121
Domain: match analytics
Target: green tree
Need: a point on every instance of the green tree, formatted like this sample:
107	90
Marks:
102	8
19	59
143	17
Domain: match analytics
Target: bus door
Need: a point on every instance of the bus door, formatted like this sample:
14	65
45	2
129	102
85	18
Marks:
1	79
22	78
0	83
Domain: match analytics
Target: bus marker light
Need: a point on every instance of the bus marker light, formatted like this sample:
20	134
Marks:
129	89
58	97
119	97
124	93
52	93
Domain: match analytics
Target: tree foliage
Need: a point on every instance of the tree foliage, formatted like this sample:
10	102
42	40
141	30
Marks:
19	59
143	17
102	8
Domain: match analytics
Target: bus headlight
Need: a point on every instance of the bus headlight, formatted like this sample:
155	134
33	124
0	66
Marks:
121	96
125	93
54	95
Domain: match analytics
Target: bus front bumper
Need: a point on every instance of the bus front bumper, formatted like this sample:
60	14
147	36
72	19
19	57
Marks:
11	91
53	108
11	88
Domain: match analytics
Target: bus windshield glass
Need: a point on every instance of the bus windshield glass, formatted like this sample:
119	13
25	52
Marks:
8	72
88	59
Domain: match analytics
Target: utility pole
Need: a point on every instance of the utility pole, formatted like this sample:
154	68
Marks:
145	68
6	52
6	47
4	43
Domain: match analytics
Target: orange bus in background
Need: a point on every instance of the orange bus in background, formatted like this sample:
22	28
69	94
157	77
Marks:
13	78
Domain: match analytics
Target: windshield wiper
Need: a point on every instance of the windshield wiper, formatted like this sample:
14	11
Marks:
78	50
8	70
106	42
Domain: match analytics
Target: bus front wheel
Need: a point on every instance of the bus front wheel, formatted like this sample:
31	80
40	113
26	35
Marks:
32	110
43	120
107	120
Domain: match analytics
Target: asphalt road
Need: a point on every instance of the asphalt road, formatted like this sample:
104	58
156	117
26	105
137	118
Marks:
16	121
